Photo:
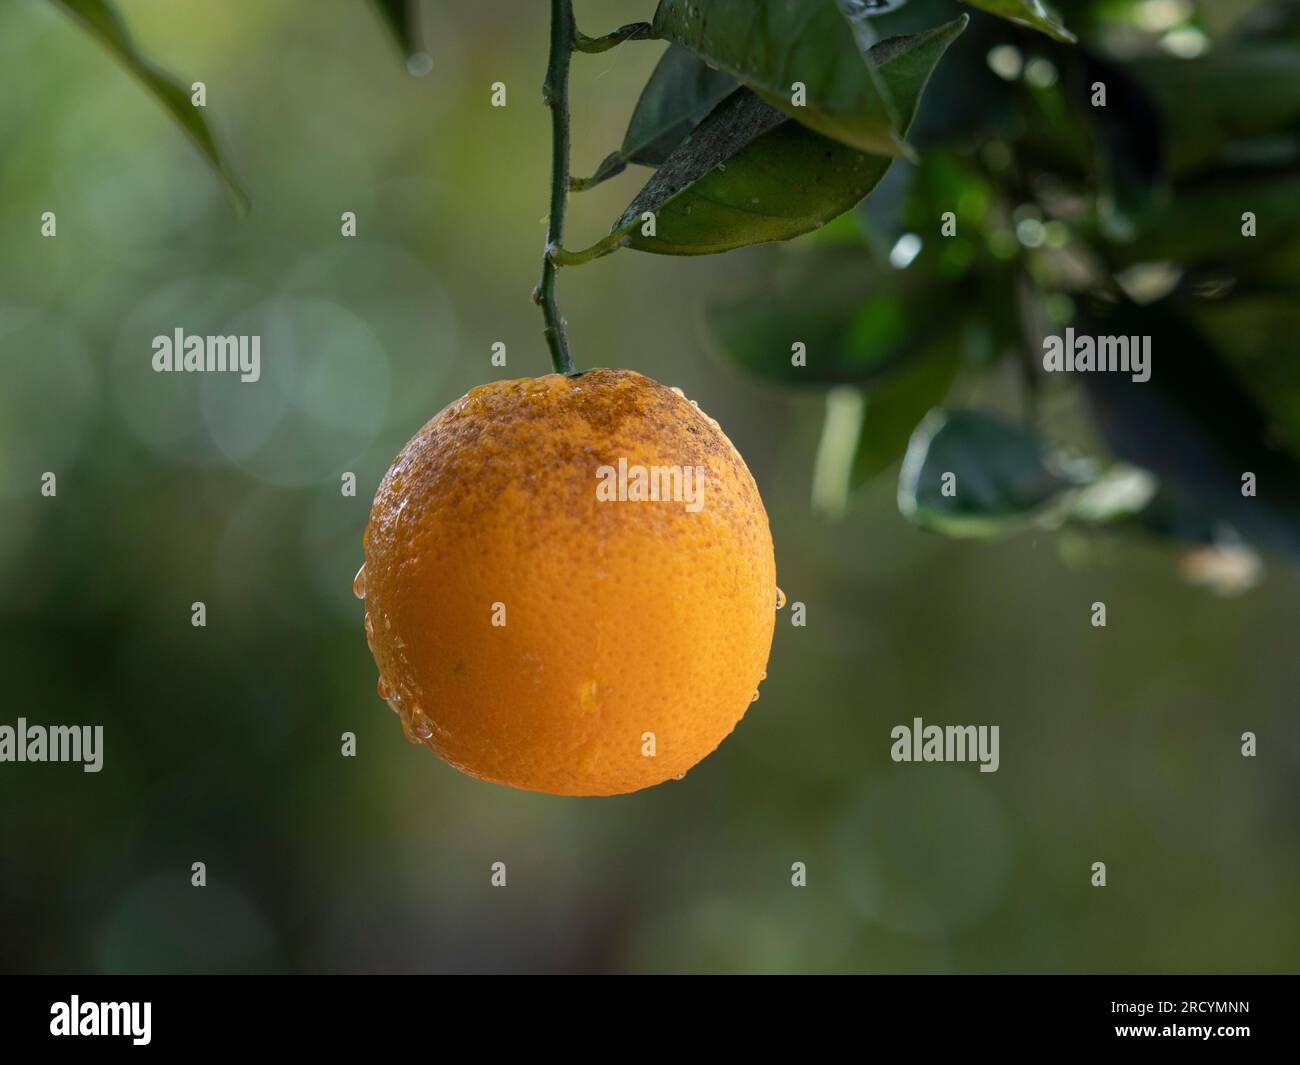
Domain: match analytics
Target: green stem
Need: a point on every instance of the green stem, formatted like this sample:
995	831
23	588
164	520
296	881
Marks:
599	250
611	166
636	31
555	92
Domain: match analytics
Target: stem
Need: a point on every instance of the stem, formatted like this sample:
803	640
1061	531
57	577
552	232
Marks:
611	166
555	91
599	250
636	31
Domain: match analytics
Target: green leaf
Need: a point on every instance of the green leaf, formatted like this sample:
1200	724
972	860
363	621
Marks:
1202	223
680	93
1269	20
898	400
102	21
1000	481
700	208
1031	13
969	473
400	17
867	428
1255	334
854	319
847	340
1244	93
748	175
772	46
1130	131
1196	427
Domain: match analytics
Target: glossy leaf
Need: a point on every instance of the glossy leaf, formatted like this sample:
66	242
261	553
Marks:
1000	480
772	46
102	21
680	93
1032	13
747	175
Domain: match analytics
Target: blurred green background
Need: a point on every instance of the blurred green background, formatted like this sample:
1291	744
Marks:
222	743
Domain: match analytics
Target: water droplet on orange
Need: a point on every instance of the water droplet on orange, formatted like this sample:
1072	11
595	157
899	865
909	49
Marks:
359	582
421	728
780	599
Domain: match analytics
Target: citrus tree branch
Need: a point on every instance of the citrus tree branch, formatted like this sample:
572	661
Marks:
555	91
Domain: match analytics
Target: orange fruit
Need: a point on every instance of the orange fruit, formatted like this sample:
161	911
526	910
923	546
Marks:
534	620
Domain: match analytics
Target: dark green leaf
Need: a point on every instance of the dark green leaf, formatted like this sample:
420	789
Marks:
1197	429
400	17
747	175
1256	337
1202	222
1241	94
1001	481
1130	129
867	428
854	318
699	207
772	46
1269	20
1031	13
680	92
1171	516
102	21
898	400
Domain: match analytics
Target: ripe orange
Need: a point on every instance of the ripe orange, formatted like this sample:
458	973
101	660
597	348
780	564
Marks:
536	626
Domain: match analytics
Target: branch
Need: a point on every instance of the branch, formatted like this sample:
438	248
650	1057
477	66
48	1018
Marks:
555	92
